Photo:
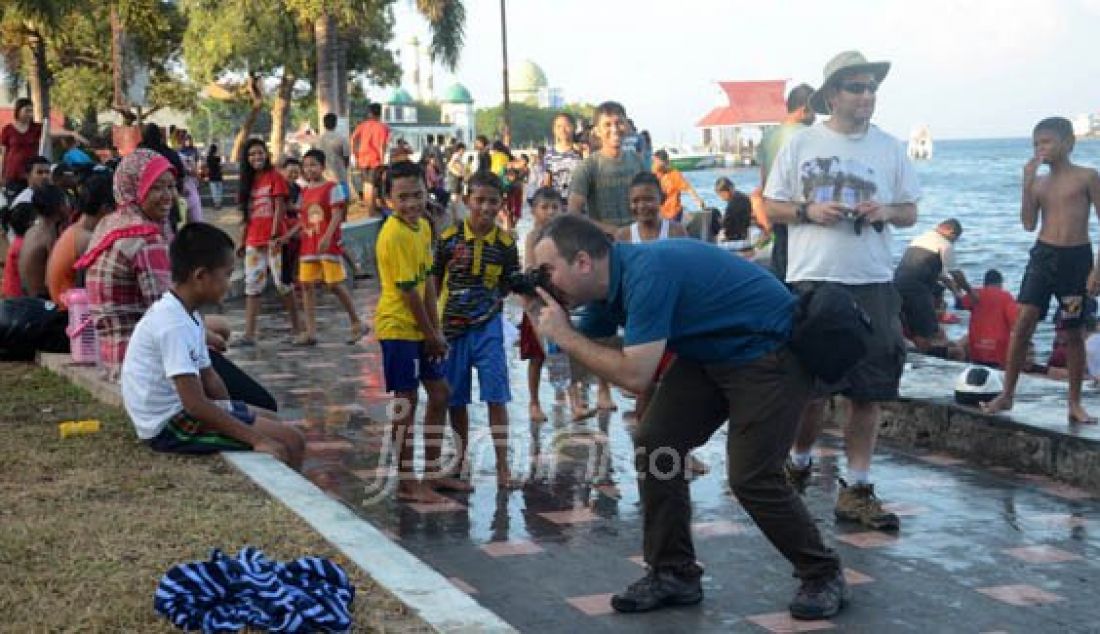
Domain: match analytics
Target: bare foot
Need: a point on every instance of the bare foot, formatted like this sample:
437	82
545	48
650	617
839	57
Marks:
417	491
1078	416
1002	403
451	483
537	415
358	331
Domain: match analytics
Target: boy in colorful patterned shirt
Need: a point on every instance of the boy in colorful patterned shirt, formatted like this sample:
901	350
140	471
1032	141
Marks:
473	262
407	326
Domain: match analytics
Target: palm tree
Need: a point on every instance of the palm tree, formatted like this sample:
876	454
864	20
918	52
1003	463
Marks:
446	21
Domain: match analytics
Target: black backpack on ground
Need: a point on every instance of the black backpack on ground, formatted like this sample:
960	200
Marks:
29	325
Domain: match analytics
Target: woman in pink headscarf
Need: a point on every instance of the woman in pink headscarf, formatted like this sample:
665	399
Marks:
127	260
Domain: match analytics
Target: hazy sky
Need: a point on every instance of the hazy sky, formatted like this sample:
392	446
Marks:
968	68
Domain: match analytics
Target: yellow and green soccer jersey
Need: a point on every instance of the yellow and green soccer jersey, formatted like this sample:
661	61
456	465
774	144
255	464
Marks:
404	261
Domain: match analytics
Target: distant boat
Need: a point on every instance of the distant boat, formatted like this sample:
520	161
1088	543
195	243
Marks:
920	144
688	161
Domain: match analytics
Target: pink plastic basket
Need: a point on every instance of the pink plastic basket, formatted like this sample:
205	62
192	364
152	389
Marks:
81	332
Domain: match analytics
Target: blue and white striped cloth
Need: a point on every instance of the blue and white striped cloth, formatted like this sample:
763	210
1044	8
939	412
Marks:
227	594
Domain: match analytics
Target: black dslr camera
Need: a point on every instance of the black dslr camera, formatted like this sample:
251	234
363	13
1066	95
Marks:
525	282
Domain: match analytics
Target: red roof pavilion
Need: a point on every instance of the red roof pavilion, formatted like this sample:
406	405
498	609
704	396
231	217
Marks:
750	103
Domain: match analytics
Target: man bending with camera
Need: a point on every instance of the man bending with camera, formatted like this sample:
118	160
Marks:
728	322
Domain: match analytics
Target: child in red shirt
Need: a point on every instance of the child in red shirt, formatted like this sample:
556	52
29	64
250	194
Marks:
321	260
263	200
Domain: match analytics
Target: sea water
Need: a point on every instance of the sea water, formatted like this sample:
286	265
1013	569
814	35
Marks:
975	181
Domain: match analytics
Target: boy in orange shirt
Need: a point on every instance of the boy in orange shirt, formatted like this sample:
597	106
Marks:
673	184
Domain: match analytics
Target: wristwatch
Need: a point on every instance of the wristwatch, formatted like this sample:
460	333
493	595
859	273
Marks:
802	213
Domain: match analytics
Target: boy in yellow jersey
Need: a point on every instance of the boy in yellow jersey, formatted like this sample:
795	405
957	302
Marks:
406	322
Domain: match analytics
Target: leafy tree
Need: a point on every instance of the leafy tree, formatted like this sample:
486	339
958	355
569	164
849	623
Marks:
25	26
369	23
76	40
254	39
213	120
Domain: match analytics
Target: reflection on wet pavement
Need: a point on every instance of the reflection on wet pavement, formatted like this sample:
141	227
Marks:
980	549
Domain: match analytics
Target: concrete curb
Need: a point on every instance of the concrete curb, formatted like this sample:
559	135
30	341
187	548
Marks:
429	594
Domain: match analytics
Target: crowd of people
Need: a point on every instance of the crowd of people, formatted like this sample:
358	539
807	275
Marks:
697	335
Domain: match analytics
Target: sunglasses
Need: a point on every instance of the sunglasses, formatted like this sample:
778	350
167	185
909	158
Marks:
859	87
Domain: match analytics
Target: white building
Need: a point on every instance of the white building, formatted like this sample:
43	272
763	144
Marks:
457	117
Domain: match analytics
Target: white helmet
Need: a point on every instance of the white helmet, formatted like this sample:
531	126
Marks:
977	384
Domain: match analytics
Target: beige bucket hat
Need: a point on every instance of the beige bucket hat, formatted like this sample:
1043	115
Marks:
846	62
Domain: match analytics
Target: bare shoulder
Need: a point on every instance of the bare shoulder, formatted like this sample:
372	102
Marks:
1089	174
623	234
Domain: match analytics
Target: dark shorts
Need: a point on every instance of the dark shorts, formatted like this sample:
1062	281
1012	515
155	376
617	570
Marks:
530	348
1059	272
877	376
405	365
187	435
371	176
918	310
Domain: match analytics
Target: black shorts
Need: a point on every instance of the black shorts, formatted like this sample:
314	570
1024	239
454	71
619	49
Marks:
918	310
1061	272
373	176
877	376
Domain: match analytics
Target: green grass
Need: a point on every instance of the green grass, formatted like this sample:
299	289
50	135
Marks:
89	524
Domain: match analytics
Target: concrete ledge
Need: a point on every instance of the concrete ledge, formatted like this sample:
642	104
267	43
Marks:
88	377
1033	437
431	596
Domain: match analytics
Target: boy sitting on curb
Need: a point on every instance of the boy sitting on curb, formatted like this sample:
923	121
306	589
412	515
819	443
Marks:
177	403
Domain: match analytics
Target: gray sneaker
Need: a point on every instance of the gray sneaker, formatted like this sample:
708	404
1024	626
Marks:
658	590
820	598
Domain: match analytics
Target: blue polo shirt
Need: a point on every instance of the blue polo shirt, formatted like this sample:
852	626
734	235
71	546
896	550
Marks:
692	294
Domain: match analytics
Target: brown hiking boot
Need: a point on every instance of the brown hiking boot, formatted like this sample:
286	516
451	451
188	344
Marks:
858	503
797	477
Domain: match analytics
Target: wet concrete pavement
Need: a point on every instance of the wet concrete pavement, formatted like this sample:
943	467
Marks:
980	550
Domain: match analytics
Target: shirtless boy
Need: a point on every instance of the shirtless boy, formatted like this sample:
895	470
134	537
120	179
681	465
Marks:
1061	262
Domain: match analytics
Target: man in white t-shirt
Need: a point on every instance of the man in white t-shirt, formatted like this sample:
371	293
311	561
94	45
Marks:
841	186
178	404
927	266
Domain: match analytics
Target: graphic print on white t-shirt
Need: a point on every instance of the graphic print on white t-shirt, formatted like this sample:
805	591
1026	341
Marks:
821	165
830	179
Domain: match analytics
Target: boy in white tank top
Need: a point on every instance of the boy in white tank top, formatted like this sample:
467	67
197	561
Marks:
645	197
